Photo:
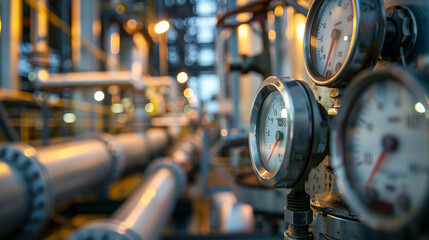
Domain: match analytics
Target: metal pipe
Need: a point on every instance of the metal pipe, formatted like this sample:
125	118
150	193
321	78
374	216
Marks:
10	39
12	199
145	213
51	175
153	140
75	167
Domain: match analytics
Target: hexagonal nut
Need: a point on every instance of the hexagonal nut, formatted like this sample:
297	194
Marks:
298	218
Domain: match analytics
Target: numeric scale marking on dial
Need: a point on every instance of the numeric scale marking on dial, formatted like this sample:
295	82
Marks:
337	23
281	135
382	155
275	128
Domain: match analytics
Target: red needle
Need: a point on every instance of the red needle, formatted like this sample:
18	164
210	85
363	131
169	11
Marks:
376	167
275	145
334	35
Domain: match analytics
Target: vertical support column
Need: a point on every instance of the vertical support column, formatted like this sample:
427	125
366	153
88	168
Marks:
85	34
85	31
163	62
39	34
10	39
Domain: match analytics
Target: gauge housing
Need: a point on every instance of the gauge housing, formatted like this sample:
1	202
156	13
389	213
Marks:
417	83
306	140
366	42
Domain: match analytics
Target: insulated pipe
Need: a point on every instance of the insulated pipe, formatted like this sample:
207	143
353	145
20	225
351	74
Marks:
48	176
144	215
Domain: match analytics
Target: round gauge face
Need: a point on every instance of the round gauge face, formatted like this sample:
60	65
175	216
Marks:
333	29
273	125
386	150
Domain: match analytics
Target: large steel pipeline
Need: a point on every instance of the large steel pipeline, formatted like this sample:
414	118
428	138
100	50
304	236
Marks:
144	215
37	180
12	198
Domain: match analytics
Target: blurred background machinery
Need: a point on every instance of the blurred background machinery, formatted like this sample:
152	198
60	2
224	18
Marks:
214	119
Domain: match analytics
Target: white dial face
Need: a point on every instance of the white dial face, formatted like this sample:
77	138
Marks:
334	34
387	149
274	124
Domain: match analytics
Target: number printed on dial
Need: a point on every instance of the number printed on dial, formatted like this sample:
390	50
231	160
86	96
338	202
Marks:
334	33
274	122
387	149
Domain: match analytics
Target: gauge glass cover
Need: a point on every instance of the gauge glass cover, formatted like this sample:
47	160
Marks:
386	150
333	28
273	130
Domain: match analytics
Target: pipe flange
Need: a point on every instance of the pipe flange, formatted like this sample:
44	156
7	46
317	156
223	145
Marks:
116	156
104	230
23	158
172	166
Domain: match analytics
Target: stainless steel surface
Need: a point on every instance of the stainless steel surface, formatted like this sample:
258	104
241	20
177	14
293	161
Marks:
144	214
85	30
306	133
10	40
75	167
326	226
417	84
13	199
149	142
38	199
81	79
300	218
367	41
67	169
147	211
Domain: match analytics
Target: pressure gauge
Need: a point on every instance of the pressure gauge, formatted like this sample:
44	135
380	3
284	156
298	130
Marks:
341	38
380	152
288	132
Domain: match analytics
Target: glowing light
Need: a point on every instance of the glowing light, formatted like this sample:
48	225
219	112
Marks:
0	26
188	93
99	96
278	11
131	24
117	108
272	35
223	132
149	107
162	27
193	101
182	77
244	17
122	118
69	118
300	31
284	113
419	108
346	38
43	75
115	43
243	31
32	76
113	89
120	8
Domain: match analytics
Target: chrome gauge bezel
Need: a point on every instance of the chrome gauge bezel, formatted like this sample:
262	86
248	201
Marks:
296	96
414	81
366	43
